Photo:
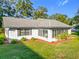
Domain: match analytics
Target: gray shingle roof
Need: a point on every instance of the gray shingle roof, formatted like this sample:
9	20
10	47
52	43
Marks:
11	22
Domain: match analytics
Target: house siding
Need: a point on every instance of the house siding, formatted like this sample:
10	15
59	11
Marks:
6	32
56	32
13	34
50	38
34	32
69	31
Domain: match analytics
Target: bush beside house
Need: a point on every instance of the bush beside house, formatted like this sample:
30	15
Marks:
14	41
63	36
24	39
33	38
2	38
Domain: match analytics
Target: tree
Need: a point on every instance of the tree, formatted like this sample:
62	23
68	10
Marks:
40	12
60	17
6	8
70	21
15	8
1	21
24	8
76	18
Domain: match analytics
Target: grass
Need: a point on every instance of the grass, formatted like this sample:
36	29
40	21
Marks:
35	49
17	51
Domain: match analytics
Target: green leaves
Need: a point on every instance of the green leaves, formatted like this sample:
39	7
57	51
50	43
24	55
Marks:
13	7
60	17
76	19
24	7
41	12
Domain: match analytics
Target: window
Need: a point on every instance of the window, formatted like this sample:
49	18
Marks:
40	32
28	32
43	32
22	32
53	32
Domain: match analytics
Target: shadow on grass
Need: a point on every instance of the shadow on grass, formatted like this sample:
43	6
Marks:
30	54
18	51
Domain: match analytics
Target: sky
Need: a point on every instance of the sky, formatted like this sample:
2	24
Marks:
67	7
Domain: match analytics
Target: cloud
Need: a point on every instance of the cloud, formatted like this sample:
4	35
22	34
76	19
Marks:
63	2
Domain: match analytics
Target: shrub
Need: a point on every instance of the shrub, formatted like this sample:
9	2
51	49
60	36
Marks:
75	33
1	30
1	41
24	39
75	37
2	38
62	36
33	38
14	41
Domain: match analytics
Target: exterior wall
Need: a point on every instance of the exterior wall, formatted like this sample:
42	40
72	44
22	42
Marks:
13	34
69	31
50	35
34	32
56	32
6	32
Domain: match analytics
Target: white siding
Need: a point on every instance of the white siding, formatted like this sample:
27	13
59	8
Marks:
50	37
49	33
10	33
34	32
13	33
6	32
69	31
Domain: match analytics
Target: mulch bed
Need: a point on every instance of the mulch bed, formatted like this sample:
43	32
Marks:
57	42
6	41
40	40
54	42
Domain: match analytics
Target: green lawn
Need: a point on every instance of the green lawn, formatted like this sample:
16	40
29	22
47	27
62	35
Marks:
40	50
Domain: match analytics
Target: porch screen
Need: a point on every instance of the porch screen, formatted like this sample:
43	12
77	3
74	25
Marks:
22	32
43	32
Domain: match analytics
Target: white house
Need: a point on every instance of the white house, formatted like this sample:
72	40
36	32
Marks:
45	29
